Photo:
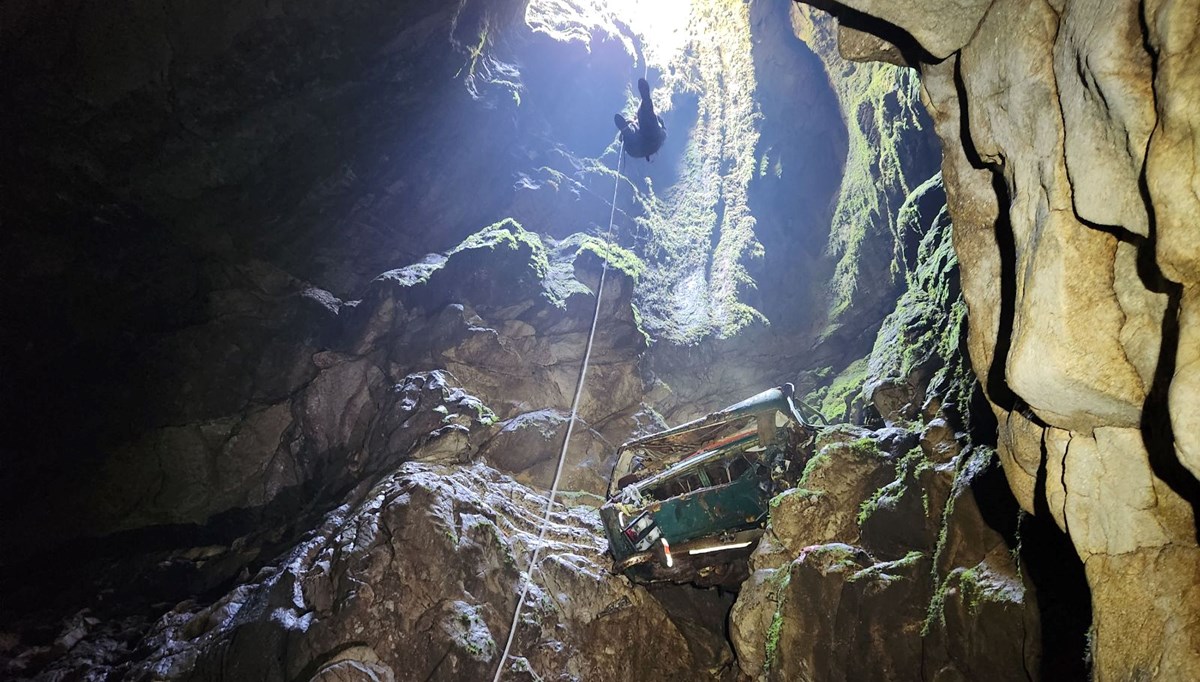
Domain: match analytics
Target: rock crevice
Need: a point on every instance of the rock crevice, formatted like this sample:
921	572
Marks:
1070	135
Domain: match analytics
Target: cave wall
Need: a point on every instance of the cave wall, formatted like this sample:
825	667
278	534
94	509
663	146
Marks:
184	178
200	220
1069	133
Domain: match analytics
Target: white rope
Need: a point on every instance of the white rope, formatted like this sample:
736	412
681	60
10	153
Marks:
562	455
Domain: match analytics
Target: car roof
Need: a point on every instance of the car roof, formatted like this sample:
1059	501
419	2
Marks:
662	450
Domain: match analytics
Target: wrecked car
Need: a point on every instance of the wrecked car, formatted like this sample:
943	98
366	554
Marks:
689	504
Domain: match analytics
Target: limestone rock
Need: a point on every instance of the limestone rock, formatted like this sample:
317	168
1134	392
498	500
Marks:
975	600
1070	136
1171	160
527	439
1184	393
975	210
941	28
1062	313
528	446
356	664
1114	502
916	579
859	46
370	401
1020	447
1056	442
1142	623
420	580
1143	299
824	507
1107	108
939	441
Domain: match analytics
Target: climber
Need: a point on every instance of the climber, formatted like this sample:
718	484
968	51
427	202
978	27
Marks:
644	136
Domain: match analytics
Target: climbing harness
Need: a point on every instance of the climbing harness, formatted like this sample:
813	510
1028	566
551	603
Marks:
562	455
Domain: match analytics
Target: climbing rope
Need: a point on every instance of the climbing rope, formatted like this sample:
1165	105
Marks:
562	455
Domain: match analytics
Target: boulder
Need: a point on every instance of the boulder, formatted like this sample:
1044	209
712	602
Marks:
419	581
1070	137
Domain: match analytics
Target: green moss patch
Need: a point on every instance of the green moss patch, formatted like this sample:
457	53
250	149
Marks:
834	400
908	470
881	106
886	571
979	460
780	582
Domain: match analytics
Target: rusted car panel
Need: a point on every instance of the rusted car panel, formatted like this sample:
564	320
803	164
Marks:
688	503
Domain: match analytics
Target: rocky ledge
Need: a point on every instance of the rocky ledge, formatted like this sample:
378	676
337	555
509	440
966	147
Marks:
418	580
1070	138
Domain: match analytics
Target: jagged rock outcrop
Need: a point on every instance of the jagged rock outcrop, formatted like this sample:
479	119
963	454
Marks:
1070	138
503	314
207	502
198	219
417	580
879	566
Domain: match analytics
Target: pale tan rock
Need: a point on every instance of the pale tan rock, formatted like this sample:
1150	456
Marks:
1060	99
826	506
1145	626
1019	446
974	208
942	27
860	46
752	614
1141	333
1056	443
1114	502
1184	397
1103	74
1173	160
1064	360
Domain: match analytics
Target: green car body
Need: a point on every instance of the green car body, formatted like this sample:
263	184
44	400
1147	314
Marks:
689	504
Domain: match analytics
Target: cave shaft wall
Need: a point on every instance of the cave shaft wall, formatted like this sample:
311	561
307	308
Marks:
1070	138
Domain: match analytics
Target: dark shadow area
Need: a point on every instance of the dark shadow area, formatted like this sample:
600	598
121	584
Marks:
1050	564
1157	431
849	17
1063	596
996	382
996	379
702	616
146	570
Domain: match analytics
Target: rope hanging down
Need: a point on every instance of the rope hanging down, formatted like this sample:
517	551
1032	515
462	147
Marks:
562	455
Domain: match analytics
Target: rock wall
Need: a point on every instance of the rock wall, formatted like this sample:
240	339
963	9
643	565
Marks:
342	392
1069	132
415	571
416	579
226	402
881	566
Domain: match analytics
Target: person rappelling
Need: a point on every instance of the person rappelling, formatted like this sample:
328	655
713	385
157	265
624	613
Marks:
646	135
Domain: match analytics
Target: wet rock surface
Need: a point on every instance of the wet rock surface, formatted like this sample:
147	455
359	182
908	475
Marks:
1069	152
370	397
278	376
880	566
415	580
